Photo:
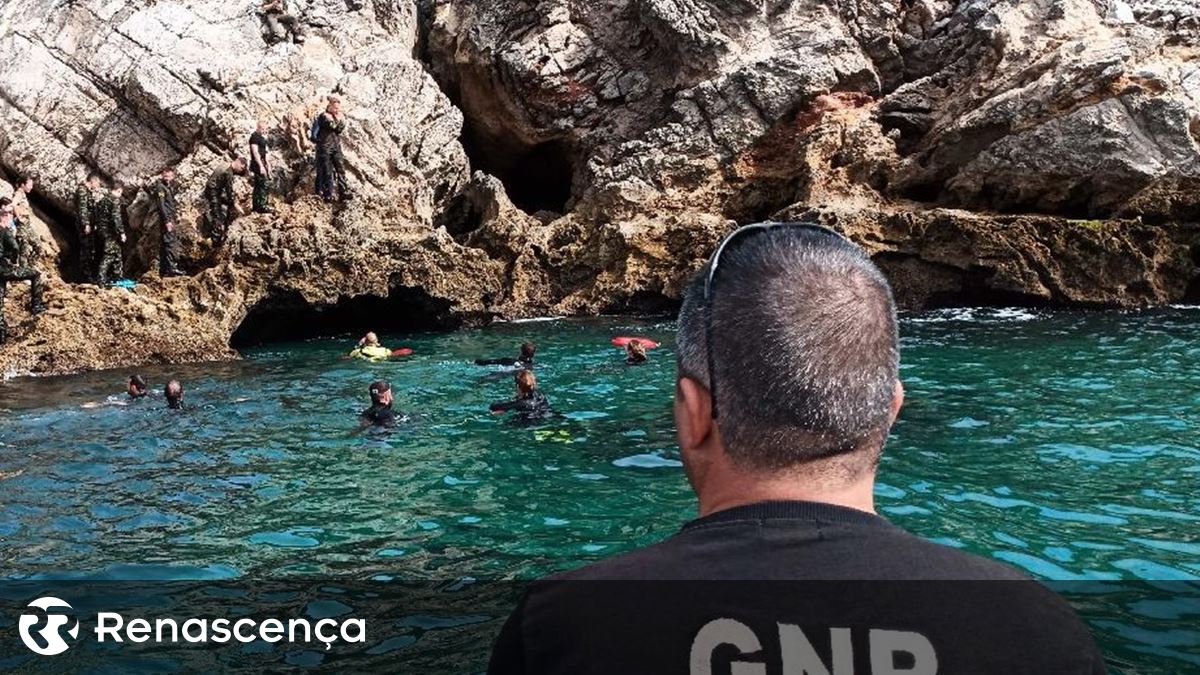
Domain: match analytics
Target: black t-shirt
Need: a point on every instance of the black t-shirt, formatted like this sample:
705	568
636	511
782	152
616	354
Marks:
785	587
257	139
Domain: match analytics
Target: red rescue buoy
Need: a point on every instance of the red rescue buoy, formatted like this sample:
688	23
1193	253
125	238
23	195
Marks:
622	341
403	351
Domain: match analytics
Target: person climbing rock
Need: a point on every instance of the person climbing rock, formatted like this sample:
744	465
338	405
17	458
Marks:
220	200
110	234
31	246
85	205
524	360
530	405
163	193
12	270
296	126
280	22
380	414
174	395
260	168
327	135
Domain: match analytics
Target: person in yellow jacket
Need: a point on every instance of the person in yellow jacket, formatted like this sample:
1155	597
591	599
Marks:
369	348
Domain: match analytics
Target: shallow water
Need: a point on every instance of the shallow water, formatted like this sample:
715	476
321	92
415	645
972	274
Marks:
1066	444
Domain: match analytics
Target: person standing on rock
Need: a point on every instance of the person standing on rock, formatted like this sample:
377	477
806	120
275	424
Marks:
328	137
110	234
11	268
31	248
163	193
220	199
280	22
260	168
85	205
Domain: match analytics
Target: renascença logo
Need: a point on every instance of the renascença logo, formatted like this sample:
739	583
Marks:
41	630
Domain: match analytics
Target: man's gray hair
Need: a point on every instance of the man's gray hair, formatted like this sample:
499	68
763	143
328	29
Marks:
806	347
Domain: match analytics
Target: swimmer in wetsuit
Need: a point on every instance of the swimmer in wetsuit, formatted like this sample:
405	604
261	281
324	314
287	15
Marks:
635	353
137	387
174	395
380	414
530	405
524	361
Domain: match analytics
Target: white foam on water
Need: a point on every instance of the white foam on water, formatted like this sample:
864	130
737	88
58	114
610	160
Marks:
974	315
536	319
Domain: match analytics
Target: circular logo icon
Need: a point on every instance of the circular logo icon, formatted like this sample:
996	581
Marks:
42	628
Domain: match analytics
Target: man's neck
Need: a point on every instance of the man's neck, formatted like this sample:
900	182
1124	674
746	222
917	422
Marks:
807	486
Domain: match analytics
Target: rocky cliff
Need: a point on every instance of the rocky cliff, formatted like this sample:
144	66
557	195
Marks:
522	157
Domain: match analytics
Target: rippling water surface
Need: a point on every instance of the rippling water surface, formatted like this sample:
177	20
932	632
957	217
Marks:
1065	444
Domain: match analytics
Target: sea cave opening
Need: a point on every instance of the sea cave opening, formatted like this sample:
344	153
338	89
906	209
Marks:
537	177
285	316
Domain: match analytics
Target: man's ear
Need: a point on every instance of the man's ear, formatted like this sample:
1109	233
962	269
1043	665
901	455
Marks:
693	412
897	402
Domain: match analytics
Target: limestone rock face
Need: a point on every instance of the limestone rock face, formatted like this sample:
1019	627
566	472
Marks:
527	157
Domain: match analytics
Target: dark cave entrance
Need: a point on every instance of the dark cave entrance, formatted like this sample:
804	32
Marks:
59	220
285	316
537	178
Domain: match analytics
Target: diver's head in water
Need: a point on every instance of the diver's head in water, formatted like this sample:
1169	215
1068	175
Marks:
636	351
369	340
804	362
526	383
381	393
174	394
137	386
528	350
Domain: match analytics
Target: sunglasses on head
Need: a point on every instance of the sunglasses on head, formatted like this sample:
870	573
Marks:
741	234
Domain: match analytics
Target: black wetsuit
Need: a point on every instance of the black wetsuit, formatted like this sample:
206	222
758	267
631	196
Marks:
380	415
531	407
175	404
525	364
636	360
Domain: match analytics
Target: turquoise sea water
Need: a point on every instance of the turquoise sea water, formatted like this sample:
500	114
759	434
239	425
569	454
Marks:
1065	444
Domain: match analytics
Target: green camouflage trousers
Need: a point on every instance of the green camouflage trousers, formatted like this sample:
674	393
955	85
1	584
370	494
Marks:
111	266
29	274
262	189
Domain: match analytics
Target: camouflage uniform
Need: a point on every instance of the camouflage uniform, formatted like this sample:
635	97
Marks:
218	196
12	270
31	247
163	194
280	23
84	207
110	230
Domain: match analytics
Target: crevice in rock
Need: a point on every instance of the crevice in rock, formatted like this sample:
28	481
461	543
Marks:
284	315
536	177
1192	295
643	302
921	284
